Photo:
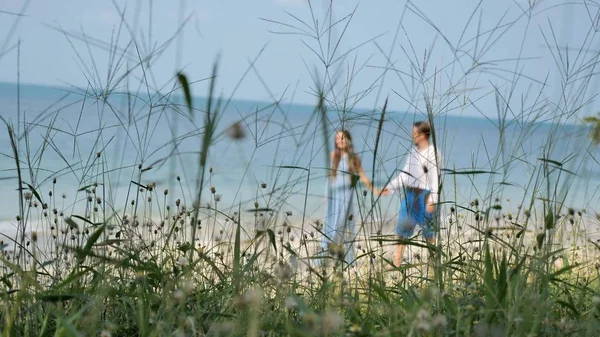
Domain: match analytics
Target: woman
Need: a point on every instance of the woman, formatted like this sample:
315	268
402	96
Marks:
339	217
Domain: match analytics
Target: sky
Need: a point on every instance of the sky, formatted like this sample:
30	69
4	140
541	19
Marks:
269	50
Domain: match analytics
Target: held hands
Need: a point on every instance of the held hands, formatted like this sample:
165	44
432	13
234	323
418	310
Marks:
430	207
379	192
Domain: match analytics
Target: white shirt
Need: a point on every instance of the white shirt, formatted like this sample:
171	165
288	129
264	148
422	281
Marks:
422	170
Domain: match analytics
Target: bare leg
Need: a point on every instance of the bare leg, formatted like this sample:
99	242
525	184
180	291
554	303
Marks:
398	255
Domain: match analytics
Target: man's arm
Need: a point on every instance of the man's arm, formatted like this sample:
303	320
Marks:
397	183
401	180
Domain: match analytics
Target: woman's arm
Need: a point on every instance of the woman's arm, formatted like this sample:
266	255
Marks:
363	177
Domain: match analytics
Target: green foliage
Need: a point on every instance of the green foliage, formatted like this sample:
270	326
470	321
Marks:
109	272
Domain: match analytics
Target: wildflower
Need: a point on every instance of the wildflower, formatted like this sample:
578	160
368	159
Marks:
335	249
252	297
283	271
34	236
105	333
217	197
236	131
178	295
423	326
310	319
355	328
28	195
331	322
263	185
290	303
140	276
213	190
54	180
422	315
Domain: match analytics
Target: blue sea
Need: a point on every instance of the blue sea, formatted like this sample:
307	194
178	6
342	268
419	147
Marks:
279	158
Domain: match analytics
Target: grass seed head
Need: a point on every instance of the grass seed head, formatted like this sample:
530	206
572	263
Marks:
331	322
290	303
178	296
105	333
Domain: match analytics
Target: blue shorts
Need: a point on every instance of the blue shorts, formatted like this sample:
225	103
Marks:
413	212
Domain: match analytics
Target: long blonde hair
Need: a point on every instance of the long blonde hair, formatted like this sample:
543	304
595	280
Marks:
337	154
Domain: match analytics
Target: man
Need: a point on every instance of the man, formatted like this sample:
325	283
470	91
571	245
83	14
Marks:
419	181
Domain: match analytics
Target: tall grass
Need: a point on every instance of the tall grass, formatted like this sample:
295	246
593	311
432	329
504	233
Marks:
131	252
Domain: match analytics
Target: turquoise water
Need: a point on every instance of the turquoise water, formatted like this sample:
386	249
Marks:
284	147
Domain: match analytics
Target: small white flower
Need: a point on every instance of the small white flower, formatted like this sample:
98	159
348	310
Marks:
188	287
178	295
253	297
440	321
105	333
423	326
290	303
283	271
355	328
331	322
422	315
